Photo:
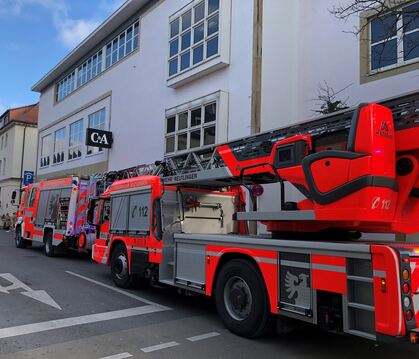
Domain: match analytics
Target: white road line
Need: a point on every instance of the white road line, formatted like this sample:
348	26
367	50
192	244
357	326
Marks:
118	356
203	336
159	347
128	294
70	322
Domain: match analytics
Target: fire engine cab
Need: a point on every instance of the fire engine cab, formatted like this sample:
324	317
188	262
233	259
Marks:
54	213
184	224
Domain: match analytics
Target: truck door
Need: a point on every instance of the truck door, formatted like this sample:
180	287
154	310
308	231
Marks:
28	214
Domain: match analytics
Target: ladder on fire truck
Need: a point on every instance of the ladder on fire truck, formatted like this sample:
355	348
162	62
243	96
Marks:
205	166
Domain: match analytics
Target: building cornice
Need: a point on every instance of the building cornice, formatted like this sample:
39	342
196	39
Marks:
120	16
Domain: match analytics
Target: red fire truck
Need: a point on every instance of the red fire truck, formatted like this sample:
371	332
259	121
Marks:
184	223
54	213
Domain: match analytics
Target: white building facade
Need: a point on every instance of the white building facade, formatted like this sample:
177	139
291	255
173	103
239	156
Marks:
166	76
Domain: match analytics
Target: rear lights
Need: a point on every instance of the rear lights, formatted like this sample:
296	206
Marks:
414	337
405	274
383	285
405	288
406	302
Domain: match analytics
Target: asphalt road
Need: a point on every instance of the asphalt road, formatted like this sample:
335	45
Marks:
68	307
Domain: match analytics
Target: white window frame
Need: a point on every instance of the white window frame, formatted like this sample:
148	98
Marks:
59	151
77	73
220	99
78	147
207	65
66	86
400	44
90	151
87	71
122	46
46	156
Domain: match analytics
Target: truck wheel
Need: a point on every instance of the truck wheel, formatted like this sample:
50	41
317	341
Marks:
242	300
119	267
48	247
20	241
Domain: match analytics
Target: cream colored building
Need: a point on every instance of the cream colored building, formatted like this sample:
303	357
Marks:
18	145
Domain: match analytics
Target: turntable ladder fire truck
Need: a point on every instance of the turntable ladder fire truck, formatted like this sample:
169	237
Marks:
182	222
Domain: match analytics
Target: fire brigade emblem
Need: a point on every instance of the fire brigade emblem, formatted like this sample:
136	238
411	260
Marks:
297	288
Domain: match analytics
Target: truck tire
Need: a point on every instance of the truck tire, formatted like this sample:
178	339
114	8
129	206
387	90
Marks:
119	267
49	249
19	240
242	300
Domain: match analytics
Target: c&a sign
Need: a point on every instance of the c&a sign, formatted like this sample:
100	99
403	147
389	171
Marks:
98	138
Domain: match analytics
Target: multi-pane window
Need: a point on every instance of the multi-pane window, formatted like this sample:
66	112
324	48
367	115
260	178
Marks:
122	45
194	36
97	121
59	146
191	129
395	38
46	148
66	86
75	140
90	69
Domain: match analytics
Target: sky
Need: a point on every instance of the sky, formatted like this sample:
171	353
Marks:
35	35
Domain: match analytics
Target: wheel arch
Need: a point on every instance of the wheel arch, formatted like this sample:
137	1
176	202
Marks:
115	242
48	230
267	271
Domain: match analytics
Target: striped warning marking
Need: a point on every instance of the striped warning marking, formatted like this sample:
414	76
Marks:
159	347
203	336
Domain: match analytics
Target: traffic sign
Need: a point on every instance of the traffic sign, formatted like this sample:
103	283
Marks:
28	177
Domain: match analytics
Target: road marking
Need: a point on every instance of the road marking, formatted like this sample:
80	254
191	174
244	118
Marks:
159	347
128	294
203	336
118	356
74	321
39	295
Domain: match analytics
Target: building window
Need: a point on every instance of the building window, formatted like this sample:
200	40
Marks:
45	151
192	128
5	141
66	86
194	36
394	39
59	146
76	140
97	121
4	166
122	45
90	69
2	140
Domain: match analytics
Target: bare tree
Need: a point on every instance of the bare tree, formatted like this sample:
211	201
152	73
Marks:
327	99
394	18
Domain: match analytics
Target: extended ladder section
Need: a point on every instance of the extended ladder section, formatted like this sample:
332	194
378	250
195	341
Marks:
358	169
206	166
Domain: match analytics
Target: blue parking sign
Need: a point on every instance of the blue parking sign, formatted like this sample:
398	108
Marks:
28	177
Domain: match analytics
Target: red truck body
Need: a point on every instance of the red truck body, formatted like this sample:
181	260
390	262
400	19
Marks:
54	213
